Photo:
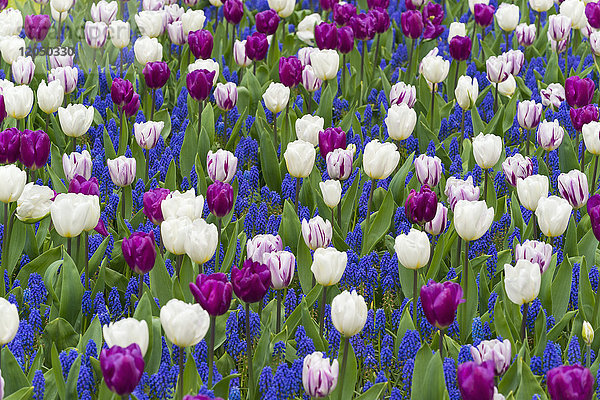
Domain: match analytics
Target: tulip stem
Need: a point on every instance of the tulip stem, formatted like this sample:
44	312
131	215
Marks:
442	344
524	321
322	311
339	214
415	295
120	60
180	380
593	190
68	246
369	207
506	36
298	183
59	28
538	20
485	184
466	269
200	109
481	43
527	140
86	260
249	352
153	105
582	156
147	166
456	75
211	349
278	311
343	368
588	360
179	261
410	58
375	63
141	286
496	99
459	245
5	238
432	105
343	79
362	63
218	252
461	137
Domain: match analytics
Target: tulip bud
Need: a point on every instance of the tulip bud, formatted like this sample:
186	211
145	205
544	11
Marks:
483	13
290	71
574	380
472	219
212	292
139	252
421	206
308	128
256	46
260	245
201	43
152	201
226	95
412	249
152	5
428	170
553	215
591	137
119	34
496	351
104	11
400	121
267	22
299	158
517	167
553	96
233	11
348	313
326	36
12	48
18	101
121	92
507	16
251	282
13	182
193	20
284	8
276	97
34	149
147	50
77	164
508	87
331	191
76	119
11	22
201	241
174	232
309	80
460	48
221	166
10	321
528	114
522	282
317	232
435	68
184	324
219	197
176	35
126	332
331	139
515	59
466	92
96	34
156	74
345	42
72	213
438	224
34	203
363	25
319	378
587	333
440	302
476	381
122	368
456	29
282	265
239	54
67	76
595	42
10	145
22	70
339	163
497	69
380	159
575	10
185	204
582	116
550	135
573	187
328	265
535	252
487	149
541	5
148	133
403	93
199	83
325	64
342	12
458	189
579	91
526	34
531	189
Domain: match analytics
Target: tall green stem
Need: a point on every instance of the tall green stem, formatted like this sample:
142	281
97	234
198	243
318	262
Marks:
249	353
524	321
180	380
322	311
343	368
218	252
211	350
415	296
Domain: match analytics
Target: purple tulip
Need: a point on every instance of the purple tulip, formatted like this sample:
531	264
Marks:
152	201
2	109
37	26
460	48
434	13
251	282
121	92
484	14
382	19
593	209
3	4
363	26
34	149
570	382
212	292
476	381
290	71
440	301
267	22
156	74
327	5
233	11
139	251
80	185
421	206
201	43
10	143
331	139
579	91
101	228
345	39
199	83
582	116
219	197
432	30
412	24
592	12
343	12
133	106
326	36
122	368
257	46
378	3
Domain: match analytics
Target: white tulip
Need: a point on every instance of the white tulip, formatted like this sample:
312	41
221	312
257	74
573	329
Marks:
380	159
126	332
522	282
413	249
466	92
77	164
487	149
348	313
574	9
332	192
11	22
276	97
50	96
507	16
400	121
508	87
553	215
325	64
541	5
306	28
18	101
148	133
120	34
9	323
308	128
201	241
13	182
531	189
193	20
591	137
76	119
587	332
147	50
184	324
151	23
328	265
185	204
70	213
472	219
62	5
456	29
34	203
435	68
300	158
174	233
